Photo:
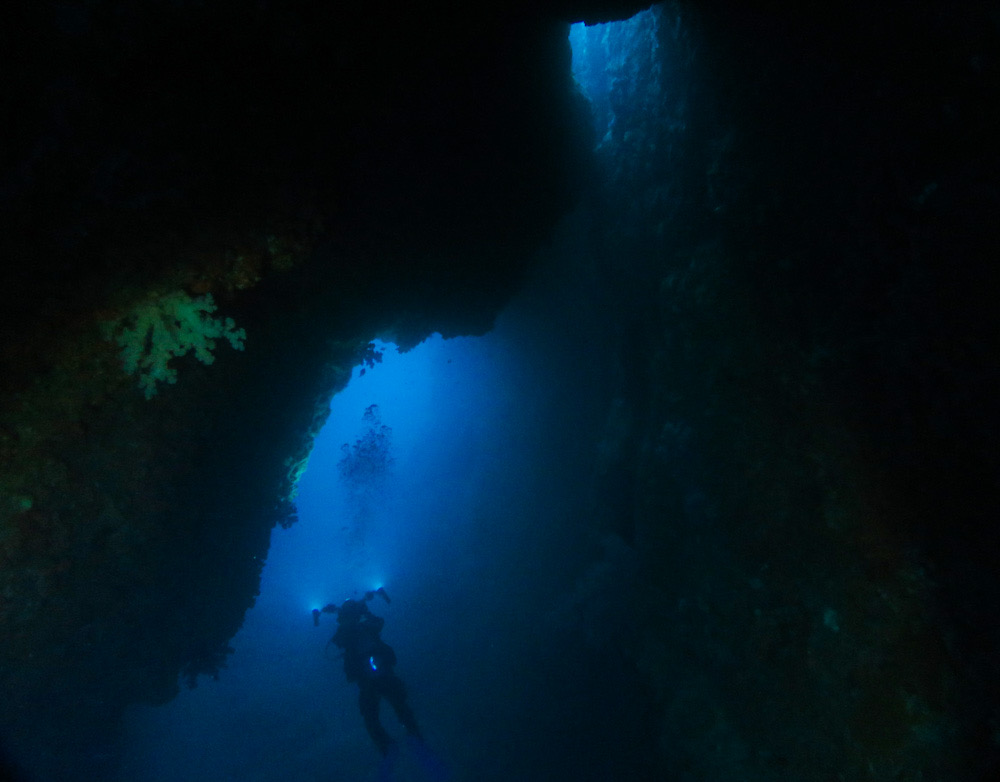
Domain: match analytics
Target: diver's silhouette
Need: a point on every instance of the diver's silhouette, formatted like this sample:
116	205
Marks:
369	661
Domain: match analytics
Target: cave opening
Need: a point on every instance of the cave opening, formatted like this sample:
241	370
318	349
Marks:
609	60
454	475
457	476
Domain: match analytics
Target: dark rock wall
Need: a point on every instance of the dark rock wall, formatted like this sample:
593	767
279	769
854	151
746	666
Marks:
798	237
326	174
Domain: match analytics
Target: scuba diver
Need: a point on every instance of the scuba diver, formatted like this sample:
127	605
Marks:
369	661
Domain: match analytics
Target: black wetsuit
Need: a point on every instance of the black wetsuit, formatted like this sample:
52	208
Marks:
369	661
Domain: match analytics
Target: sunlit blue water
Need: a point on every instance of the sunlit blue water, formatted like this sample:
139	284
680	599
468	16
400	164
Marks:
612	64
465	533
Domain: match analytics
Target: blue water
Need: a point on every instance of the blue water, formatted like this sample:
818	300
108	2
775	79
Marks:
468	528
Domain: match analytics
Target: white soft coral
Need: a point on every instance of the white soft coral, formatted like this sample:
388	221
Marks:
168	326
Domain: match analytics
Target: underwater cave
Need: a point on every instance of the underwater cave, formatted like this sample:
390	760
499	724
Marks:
577	390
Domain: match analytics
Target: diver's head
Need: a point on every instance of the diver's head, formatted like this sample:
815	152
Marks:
351	611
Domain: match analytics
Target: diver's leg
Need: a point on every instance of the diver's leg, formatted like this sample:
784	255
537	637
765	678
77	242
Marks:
368	702
395	692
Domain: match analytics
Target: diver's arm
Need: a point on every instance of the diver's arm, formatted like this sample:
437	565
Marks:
380	592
